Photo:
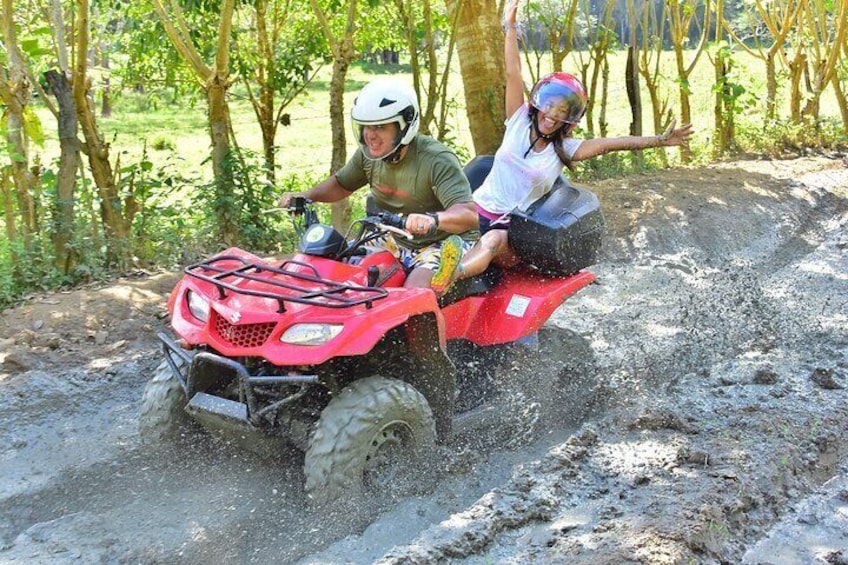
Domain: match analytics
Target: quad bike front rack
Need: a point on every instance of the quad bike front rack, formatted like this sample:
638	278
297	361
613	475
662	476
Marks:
329	294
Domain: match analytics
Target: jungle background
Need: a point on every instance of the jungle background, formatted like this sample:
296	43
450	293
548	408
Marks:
140	135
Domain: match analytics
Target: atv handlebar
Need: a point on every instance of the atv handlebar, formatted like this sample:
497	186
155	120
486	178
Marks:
297	206
393	223
303	215
392	220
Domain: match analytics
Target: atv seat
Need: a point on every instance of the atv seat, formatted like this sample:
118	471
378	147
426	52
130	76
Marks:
478	169
472	286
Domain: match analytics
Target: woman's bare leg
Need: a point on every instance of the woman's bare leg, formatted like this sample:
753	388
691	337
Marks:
493	246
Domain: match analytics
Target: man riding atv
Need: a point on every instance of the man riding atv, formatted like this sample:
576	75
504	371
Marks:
409	174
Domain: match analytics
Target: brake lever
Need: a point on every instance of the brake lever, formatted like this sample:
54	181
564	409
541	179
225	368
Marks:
393	229
297	206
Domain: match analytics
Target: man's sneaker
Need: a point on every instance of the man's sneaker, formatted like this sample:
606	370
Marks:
451	255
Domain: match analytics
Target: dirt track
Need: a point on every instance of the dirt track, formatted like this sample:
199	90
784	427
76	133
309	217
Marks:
718	334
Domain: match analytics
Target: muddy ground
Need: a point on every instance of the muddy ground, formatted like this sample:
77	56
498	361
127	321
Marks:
716	341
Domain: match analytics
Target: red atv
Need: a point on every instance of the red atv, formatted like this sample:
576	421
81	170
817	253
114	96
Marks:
330	352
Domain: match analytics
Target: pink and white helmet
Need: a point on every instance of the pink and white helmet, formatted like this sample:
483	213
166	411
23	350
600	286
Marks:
560	96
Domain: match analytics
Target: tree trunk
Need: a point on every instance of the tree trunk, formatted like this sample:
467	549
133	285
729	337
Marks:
631	81
685	105
63	221
105	95
11	222
796	71
264	106
215	80
840	100
600	52
343	54
720	142
771	88
341	211
15	94
603	125
222	165
480	49
115	223
103	52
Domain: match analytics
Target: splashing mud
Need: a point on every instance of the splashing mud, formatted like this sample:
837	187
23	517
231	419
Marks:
703	419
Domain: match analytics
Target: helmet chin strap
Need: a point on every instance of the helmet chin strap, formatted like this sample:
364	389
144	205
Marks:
537	133
395	155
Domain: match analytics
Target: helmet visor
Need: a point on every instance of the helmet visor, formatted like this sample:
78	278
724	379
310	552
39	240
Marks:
377	140
558	102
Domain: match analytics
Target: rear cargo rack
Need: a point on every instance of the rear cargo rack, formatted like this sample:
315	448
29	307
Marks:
329	294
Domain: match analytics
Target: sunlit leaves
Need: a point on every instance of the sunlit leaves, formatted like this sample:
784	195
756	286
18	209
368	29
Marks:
33	127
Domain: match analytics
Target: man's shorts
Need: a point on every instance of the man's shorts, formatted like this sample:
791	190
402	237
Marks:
427	257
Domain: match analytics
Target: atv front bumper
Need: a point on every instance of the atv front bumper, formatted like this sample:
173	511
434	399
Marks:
203	371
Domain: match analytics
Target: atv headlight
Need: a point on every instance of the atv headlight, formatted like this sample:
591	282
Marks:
311	334
197	305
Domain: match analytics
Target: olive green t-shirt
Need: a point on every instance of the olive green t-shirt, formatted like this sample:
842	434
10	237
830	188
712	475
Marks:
429	178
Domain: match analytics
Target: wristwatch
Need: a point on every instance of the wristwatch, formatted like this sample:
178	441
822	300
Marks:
435	225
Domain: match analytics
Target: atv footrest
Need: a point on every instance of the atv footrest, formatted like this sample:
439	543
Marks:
216	412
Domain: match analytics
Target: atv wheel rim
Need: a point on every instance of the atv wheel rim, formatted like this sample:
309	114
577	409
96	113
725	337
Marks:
388	452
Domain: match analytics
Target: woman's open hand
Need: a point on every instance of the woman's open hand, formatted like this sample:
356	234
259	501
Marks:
676	136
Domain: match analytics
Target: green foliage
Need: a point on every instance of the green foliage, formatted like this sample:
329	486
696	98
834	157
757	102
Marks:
782	138
145	70
454	143
32	125
26	266
7	282
37	43
735	97
163	142
163	228
157	98
297	52
246	206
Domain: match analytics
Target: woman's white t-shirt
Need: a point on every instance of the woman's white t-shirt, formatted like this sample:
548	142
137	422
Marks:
516	181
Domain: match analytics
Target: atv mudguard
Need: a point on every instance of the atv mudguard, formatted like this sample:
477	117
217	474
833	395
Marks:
518	306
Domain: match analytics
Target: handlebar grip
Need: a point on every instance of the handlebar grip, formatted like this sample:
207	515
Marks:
297	204
393	220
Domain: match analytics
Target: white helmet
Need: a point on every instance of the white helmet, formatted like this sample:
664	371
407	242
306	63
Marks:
383	101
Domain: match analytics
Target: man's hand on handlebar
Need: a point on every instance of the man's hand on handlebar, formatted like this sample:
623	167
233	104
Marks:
293	202
422	224
286	198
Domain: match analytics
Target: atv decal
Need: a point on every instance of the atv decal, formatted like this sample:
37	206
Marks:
517	305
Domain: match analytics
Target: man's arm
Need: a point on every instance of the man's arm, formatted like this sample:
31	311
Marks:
331	190
458	218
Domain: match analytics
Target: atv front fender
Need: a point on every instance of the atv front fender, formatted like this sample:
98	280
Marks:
363	328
